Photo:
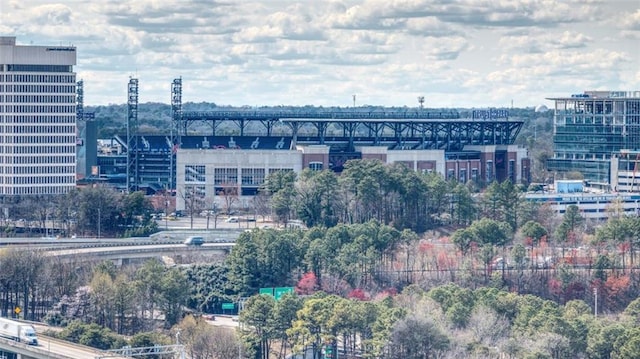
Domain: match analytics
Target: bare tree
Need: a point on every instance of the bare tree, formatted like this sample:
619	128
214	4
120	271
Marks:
262	204
211	210
229	194
487	326
205	341
194	200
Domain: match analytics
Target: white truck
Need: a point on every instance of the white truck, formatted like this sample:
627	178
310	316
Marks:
18	331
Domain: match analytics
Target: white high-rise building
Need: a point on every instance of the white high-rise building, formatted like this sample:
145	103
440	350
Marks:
37	119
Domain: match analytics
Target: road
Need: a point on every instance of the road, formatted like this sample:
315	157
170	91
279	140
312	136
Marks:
224	321
201	223
49	347
68	349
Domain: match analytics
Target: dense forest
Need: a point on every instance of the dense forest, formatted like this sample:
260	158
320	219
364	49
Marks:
363	290
395	264
406	250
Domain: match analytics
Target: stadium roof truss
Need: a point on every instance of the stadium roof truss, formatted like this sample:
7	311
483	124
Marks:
421	128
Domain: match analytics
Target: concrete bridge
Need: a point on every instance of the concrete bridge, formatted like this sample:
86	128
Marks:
124	255
49	348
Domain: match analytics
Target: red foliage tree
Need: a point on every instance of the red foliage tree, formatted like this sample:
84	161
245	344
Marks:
308	284
358	294
617	292
425	247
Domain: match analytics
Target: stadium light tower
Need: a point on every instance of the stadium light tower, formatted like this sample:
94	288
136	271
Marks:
421	101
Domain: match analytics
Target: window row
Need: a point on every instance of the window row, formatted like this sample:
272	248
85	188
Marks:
38	170
39	99
53	119
39	68
62	79
71	108
44	129
248	176
36	139
194	173
31	190
42	150
70	89
463	176
18	180
32	160
316	166
194	192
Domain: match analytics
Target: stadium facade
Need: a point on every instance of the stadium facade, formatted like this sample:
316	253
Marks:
208	155
37	119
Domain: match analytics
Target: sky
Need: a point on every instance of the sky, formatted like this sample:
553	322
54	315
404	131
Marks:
454	53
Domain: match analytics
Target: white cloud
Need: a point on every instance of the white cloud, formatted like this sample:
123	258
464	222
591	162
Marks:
453	52
630	21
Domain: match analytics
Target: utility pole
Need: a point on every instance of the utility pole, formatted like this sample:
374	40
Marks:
595	294
99	220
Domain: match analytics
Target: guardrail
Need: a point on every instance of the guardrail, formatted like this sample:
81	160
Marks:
47	244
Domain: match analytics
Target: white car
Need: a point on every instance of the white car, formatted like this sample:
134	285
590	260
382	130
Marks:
232	220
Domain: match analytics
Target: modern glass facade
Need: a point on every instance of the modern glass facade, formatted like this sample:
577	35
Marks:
592	127
37	119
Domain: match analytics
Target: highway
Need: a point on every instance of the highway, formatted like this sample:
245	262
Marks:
137	248
71	350
52	348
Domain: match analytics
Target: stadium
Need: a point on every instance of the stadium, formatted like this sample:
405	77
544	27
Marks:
233	150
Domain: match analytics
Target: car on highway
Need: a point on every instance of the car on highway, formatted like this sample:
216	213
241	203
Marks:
232	220
194	241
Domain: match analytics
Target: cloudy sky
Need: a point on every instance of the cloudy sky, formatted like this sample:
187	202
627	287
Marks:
462	53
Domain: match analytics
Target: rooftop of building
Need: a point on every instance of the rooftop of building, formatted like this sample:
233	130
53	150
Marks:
600	95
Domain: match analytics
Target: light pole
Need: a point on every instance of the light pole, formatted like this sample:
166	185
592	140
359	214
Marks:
595	306
166	216
99	220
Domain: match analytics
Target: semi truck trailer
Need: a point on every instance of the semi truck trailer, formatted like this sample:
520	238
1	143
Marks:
18	331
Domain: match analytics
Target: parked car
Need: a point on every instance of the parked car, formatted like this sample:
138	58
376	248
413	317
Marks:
194	241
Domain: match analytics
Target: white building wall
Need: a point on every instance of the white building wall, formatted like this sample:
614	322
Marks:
228	158
37	119
416	156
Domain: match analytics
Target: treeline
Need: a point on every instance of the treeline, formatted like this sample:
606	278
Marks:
348	270
367	190
443	322
125	300
91	211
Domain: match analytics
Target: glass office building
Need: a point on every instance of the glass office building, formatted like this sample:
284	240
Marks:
37	119
591	128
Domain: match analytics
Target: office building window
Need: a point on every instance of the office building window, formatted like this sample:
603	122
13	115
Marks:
451	174
225	176
252	176
463	175
315	166
194	173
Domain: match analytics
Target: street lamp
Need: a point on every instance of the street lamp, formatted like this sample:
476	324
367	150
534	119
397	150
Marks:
99	220
595	306
166	216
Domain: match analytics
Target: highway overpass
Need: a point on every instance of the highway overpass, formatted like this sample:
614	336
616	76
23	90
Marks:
166	246
123	255
49	348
